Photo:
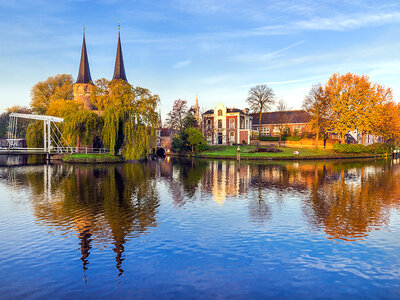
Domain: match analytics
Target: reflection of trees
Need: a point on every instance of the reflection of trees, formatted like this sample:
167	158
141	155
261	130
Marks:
356	203
185	178
101	204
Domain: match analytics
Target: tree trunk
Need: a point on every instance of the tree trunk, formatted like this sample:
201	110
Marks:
280	138
343	138
363	138
192	149
316	139
259	125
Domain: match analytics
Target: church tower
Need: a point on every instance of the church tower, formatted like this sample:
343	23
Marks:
119	69
197	112
83	85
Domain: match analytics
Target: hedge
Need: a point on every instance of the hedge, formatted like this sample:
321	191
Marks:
284	138
377	148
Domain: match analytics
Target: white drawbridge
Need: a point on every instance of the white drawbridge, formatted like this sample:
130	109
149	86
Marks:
53	140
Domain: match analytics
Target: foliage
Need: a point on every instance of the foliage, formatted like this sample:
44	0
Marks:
194	137
355	103
189	120
389	122
91	158
284	138
176	117
22	123
34	135
317	105
377	148
53	88
189	139
260	99
62	108
130	120
81	127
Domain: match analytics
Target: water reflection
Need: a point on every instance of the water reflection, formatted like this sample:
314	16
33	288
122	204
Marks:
100	204
115	203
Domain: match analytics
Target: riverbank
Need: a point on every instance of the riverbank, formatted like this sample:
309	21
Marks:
288	153
92	158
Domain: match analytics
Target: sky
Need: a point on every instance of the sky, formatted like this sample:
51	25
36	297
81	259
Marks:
215	49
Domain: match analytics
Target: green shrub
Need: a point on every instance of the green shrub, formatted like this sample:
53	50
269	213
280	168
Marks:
202	147
377	148
284	138
269	138
380	148
292	138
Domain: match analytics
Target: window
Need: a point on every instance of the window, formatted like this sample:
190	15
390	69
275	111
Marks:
219	123
220	112
265	130
208	124
232	123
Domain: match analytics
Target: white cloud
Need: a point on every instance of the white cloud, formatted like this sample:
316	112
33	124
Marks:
182	64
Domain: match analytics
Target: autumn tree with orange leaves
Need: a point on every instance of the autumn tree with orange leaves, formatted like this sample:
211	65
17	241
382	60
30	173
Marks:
388	125
355	103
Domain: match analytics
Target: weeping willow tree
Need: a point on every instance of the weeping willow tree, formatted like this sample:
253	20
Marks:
130	120
34	135
82	127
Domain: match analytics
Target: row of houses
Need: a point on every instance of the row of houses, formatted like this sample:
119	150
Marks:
227	126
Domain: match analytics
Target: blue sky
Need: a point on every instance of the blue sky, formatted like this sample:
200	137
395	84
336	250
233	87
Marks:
217	49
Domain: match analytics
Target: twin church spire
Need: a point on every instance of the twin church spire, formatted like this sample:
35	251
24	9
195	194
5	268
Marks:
84	70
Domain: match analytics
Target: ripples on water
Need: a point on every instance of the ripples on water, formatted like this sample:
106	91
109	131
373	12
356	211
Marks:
200	229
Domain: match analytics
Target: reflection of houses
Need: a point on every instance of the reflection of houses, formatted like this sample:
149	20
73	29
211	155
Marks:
224	126
224	179
271	122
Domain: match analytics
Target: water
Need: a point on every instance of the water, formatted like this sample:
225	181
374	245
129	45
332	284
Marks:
205	229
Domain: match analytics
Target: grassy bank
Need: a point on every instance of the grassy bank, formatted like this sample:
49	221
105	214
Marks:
287	153
91	158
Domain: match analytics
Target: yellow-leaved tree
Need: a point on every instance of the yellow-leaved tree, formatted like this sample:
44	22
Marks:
354	103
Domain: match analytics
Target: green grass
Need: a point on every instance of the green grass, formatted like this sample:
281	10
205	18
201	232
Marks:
230	152
91	158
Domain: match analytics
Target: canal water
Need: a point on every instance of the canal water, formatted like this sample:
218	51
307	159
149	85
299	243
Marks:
183	229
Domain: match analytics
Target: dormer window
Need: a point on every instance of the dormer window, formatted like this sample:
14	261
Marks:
220	112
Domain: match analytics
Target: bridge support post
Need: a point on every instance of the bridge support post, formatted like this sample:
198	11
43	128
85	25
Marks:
44	137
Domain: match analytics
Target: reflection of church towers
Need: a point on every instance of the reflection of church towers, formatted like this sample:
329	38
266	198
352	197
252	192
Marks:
83	86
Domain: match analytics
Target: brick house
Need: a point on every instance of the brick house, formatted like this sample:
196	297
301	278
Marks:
271	122
227	126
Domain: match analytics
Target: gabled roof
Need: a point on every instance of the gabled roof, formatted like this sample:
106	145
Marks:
228	110
84	71
282	117
119	69
233	110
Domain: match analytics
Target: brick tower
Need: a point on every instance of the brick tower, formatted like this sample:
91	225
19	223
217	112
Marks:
83	85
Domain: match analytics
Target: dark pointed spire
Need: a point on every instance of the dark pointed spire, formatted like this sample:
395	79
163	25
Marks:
119	70
84	71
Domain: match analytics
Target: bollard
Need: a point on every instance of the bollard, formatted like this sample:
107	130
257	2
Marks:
238	153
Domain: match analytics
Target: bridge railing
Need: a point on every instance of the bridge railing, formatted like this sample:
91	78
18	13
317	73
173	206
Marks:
55	150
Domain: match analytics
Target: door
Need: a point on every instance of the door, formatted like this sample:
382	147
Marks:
219	138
